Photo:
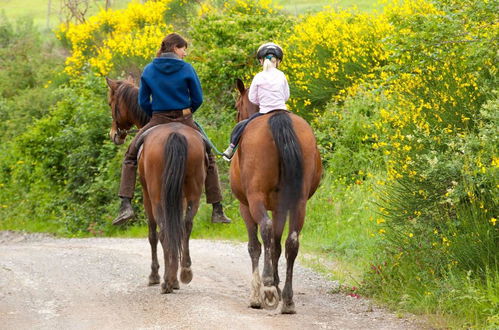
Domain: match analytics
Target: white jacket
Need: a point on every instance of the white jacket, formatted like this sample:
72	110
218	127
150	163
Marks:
269	90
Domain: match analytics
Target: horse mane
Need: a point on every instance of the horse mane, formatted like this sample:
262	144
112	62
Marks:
128	94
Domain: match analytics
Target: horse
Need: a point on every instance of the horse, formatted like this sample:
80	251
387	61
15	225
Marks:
277	167
172	171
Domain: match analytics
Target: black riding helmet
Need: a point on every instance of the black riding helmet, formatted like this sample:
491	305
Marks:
269	49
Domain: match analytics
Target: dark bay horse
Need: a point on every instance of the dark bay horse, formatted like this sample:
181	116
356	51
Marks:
172	170
277	167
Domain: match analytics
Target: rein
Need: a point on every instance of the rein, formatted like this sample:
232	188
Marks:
207	139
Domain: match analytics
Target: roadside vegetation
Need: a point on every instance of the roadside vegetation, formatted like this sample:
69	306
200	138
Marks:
402	97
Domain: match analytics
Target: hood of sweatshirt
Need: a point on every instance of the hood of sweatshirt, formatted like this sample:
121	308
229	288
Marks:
168	65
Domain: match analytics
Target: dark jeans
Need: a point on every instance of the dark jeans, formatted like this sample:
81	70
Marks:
129	167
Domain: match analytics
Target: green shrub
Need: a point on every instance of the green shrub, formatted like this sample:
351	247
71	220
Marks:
29	75
225	41
438	130
65	161
345	137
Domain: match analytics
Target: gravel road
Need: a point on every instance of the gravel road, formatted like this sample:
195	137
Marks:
101	283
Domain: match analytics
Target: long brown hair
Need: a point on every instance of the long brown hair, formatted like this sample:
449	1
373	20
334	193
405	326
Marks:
170	42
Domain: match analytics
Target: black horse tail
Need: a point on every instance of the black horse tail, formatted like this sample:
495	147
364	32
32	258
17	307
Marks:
290	161
172	224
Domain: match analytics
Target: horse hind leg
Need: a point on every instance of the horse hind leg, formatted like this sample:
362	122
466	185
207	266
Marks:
185	263
292	246
268	292
171	267
279	220
254	250
153	240
170	281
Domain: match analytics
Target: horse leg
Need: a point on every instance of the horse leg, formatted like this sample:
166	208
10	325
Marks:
292	244
185	263
171	268
170	281
269	294
153	238
254	249
278	220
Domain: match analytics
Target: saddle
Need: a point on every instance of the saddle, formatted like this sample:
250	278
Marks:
200	131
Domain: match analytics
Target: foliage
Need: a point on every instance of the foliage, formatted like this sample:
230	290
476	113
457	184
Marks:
226	38
66	152
345	137
438	208
116	41
330	53
27	75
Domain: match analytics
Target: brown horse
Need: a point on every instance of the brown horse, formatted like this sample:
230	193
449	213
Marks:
172	169
276	168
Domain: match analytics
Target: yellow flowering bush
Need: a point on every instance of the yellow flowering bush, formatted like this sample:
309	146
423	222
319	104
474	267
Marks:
436	110
327	55
116	40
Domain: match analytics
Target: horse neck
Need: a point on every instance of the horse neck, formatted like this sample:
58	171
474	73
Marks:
248	108
138	123
136	116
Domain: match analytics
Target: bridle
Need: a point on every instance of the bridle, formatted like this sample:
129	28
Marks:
120	132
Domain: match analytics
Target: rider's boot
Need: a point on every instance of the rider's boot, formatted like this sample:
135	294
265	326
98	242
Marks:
228	153
126	211
218	215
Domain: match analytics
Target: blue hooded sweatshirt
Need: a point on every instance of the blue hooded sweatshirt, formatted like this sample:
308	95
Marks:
169	83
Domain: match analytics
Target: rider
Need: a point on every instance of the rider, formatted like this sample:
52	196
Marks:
269	90
170	91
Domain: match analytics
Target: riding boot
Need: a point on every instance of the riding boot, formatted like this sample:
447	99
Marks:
126	211
218	215
228	153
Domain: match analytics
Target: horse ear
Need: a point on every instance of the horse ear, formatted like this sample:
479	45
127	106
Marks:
240	85
111	83
131	78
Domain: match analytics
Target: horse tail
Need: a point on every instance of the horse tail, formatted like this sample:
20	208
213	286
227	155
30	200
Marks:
172	225
290	161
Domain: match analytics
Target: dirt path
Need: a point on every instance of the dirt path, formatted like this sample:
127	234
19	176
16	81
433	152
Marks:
101	283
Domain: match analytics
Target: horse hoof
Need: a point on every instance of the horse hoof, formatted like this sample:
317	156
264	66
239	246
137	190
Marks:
153	280
288	308
166	288
186	275
270	297
176	285
256	304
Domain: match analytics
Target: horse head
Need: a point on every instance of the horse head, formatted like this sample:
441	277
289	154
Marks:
243	105
125	110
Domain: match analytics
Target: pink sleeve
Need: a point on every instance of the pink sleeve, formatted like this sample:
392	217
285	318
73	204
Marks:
253	92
